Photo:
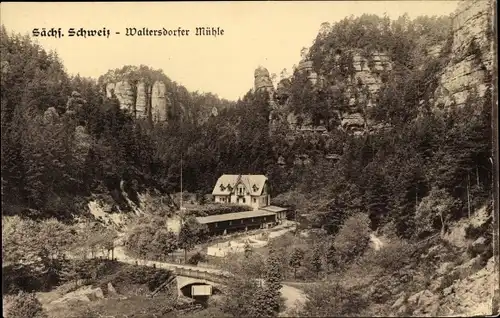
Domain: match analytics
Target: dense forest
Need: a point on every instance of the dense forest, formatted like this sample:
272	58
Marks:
48	171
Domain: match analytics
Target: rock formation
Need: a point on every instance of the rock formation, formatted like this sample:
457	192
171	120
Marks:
214	112
262	80
75	102
125	95
110	88
141	103
470	68
142	100
360	90
159	101
50	116
307	67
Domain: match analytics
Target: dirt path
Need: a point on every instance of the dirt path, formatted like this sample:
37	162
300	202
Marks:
293	298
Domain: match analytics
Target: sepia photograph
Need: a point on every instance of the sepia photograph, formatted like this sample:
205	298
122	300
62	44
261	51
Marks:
249	159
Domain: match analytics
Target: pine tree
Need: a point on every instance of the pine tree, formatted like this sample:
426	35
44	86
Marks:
296	260
316	260
273	279
247	250
331	257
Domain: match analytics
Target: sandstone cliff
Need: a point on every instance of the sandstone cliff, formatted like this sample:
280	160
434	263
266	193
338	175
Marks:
149	94
360	91
471	64
353	77
143	101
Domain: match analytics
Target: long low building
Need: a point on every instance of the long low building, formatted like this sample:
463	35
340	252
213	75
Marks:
280	212
232	222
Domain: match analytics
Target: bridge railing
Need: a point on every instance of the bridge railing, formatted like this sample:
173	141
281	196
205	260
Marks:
200	274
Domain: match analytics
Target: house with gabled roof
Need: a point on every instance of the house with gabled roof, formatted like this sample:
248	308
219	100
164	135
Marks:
251	190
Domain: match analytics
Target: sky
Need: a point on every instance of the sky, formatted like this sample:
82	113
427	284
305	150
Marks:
270	34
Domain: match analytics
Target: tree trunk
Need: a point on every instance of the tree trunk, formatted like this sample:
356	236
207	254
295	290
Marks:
477	176
442	221
185	255
113	253
416	198
468	195
295	273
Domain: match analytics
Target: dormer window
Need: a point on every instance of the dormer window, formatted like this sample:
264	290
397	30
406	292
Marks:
255	188
222	187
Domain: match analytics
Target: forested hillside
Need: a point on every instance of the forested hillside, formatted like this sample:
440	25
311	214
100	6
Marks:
63	139
385	174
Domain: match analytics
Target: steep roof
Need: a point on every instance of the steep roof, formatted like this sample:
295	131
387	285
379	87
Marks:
233	216
253	182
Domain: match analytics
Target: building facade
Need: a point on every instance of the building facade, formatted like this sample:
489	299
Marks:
251	190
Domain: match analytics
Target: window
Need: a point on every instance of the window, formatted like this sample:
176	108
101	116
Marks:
216	224
242	221
264	218
244	200
252	220
230	222
254	200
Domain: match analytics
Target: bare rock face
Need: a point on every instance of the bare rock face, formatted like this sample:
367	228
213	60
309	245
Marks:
159	101
50	116
214	112
125	94
262	80
110	87
360	89
472	54
141	101
353	122
307	67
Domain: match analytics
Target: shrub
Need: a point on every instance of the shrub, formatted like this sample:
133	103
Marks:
325	300
393	256
131	275
25	305
433	212
196	258
353	237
